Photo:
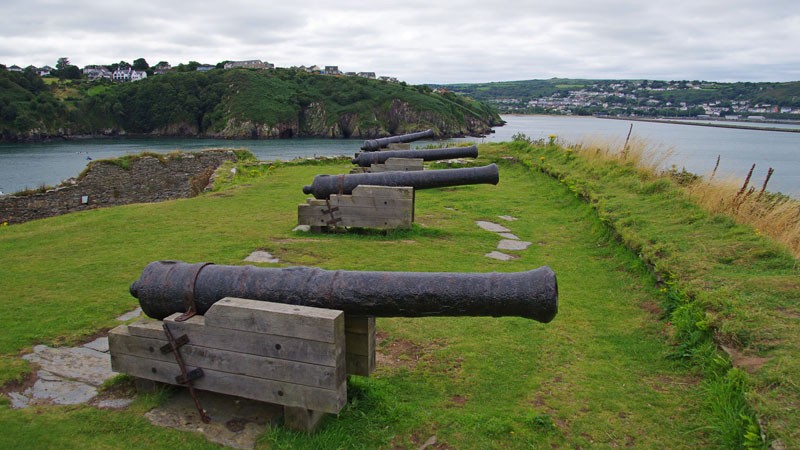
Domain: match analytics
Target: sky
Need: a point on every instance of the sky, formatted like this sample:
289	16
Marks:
437	42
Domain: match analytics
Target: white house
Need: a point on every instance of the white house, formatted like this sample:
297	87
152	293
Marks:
123	75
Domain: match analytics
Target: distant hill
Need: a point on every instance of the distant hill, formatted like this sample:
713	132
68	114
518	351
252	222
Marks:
238	103
637	97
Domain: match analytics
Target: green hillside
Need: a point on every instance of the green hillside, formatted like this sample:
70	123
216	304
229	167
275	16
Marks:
237	103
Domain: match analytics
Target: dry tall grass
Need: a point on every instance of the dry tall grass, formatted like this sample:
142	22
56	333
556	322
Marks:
746	201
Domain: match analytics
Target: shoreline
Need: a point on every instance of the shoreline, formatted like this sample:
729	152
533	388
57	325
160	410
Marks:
690	122
679	121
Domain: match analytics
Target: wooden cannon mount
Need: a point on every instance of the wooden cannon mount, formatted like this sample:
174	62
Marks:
295	356
383	200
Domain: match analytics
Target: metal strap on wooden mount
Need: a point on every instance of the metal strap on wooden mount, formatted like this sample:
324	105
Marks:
334	220
186	377
340	184
188	300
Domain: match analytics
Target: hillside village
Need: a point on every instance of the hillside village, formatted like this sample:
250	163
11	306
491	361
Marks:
637	97
124	72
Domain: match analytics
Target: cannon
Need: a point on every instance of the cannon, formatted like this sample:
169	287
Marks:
324	186
168	287
366	159
372	145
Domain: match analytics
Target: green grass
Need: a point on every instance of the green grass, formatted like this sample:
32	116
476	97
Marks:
602	374
725	285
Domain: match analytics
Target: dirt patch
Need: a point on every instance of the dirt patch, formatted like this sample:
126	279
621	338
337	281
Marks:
749	363
458	400
652	308
396	353
27	382
788	313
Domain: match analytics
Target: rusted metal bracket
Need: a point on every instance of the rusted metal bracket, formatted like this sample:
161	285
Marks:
180	342
334	220
186	377
188	300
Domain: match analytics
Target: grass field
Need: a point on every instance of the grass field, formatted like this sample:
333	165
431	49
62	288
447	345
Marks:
629	361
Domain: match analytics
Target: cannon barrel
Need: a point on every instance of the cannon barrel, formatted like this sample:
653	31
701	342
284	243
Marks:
164	287
366	159
324	186
372	145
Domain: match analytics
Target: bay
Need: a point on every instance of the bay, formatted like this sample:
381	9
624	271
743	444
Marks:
692	147
695	148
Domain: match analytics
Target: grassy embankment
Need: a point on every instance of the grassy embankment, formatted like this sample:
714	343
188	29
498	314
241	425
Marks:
610	370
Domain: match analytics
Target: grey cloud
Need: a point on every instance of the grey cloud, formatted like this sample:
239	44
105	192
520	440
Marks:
424	41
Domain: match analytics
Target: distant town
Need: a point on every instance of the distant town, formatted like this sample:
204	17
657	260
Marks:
123	72
639	99
700	99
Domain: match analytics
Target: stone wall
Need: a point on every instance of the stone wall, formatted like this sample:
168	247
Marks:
106	183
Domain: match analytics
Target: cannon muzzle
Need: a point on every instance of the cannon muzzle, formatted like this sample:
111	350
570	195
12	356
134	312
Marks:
372	145
166	287
324	186
366	159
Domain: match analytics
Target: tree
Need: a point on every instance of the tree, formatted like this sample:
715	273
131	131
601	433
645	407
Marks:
62	63
140	65
71	73
65	70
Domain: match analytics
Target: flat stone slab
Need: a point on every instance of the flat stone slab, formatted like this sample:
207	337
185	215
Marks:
130	315
508	218
500	256
54	389
77	363
235	422
490	226
509	244
74	363
18	400
509	236
100	344
262	257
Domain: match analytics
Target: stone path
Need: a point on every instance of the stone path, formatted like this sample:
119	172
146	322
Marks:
510	241
71	375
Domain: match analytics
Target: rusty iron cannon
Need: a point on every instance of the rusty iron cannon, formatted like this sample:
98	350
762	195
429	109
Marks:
372	145
366	159
324	186
168	287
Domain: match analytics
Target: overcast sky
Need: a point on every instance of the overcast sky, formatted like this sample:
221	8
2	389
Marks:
423	41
